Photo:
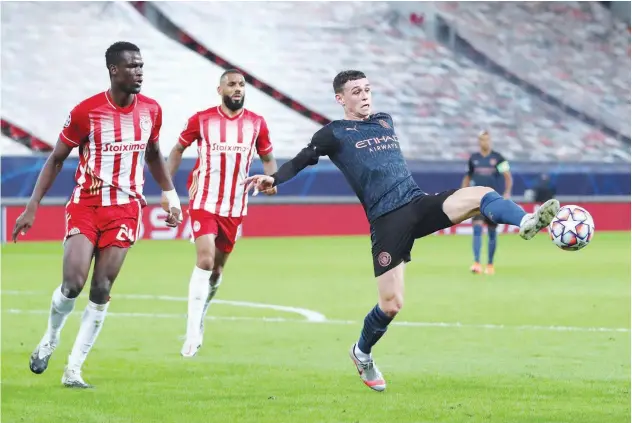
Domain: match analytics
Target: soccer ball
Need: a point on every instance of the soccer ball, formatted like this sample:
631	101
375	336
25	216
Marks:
572	228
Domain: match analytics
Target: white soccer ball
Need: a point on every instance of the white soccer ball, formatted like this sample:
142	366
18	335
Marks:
572	228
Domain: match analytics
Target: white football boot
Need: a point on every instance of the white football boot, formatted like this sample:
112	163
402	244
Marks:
191	347
533	223
369	373
72	379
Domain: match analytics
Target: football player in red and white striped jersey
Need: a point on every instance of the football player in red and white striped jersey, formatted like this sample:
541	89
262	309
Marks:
227	137
116	132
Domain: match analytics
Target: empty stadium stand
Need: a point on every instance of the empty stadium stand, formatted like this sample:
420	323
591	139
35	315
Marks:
576	51
439	100
53	57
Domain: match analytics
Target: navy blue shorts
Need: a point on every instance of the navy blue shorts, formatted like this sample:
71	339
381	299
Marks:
393	234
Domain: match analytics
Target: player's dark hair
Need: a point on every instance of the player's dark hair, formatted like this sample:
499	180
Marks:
114	52
231	71
345	76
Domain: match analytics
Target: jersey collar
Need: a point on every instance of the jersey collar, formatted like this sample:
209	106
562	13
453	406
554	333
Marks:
127	109
224	115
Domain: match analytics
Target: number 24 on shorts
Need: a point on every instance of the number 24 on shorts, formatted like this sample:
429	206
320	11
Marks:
125	234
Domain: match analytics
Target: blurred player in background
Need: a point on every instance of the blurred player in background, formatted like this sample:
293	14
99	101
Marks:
484	170
116	132
227	137
365	148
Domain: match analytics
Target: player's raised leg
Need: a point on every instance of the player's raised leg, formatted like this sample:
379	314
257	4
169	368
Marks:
467	202
108	263
78	252
199	287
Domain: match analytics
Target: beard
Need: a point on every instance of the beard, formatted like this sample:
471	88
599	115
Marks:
232	104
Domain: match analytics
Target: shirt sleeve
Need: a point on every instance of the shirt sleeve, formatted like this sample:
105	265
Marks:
76	128
323	144
191	132
155	131
503	164
264	146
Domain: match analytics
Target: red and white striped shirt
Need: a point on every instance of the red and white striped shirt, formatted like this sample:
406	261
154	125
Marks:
112	142
226	148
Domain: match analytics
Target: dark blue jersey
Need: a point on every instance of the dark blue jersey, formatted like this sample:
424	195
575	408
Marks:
487	170
368	155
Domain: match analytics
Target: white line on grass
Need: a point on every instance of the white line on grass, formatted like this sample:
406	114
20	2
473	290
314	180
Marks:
347	322
310	315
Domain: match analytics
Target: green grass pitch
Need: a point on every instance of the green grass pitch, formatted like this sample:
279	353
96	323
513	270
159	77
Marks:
544	340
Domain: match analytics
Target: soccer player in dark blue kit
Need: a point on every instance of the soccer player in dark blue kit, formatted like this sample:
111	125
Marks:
486	168
365	148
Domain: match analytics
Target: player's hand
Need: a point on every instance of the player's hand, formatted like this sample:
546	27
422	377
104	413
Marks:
23	223
174	218
259	183
507	196
271	191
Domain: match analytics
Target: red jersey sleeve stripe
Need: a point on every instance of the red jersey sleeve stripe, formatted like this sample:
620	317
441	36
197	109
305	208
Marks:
266	150
66	140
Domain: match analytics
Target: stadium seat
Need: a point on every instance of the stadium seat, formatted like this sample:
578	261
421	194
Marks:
53	56
439	101
576	51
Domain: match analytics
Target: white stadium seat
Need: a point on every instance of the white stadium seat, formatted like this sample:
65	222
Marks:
53	56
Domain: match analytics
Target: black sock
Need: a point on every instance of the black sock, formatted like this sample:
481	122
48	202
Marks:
375	324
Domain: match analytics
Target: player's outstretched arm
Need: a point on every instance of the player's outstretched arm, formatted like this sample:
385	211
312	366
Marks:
323	143
47	176
158	169
306	157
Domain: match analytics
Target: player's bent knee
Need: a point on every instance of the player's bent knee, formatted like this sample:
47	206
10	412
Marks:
393	305
205	254
464	203
205	262
100	290
71	286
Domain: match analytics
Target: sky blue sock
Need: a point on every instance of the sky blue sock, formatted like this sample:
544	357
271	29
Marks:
499	210
491	244
375	324
476	242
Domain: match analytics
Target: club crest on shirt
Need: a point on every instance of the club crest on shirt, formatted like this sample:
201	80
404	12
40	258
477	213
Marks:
67	123
492	162
384	124
145	123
